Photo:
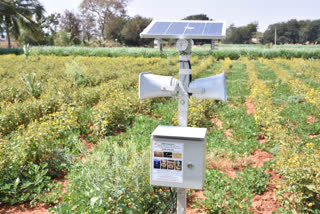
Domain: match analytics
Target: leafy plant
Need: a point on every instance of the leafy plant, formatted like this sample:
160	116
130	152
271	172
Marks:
27	51
21	184
224	194
34	87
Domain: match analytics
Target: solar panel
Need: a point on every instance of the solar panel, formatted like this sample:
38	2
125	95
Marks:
159	27
185	29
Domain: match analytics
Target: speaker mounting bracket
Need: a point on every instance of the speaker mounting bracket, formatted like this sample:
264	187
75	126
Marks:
172	89
196	90
184	58
185	71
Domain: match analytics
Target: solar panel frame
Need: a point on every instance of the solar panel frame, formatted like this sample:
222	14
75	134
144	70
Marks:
164	35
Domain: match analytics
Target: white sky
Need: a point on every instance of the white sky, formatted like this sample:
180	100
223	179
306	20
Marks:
238	12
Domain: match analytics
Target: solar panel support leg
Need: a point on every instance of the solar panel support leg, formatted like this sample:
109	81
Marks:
158	44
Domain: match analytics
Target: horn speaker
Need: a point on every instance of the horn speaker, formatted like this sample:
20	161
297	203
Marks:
151	85
214	87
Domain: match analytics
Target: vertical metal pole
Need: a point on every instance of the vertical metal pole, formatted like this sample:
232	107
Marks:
184	78
183	106
160	45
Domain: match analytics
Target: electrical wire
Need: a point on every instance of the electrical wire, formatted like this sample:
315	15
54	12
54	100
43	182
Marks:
184	90
173	201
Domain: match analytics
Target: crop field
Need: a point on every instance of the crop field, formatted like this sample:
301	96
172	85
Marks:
74	135
225	50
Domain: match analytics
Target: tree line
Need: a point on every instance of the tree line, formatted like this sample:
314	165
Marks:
97	23
105	22
293	31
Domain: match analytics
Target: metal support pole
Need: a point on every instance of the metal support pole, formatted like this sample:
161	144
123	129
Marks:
158	44
212	45
184	78
183	106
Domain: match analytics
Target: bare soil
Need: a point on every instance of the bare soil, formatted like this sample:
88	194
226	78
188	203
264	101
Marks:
261	204
261	138
229	167
218	123
228	133
267	202
311	119
313	136
250	107
233	106
25	208
259	157
196	194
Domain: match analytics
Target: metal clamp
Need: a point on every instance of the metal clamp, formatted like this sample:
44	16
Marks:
185	71
184	58
172	89
196	90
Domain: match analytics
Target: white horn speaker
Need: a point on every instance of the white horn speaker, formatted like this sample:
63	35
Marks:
214	87
151	85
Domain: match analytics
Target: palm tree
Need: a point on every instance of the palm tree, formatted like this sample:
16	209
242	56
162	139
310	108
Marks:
19	14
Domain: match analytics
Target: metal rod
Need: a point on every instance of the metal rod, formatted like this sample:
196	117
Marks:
181	201
183	108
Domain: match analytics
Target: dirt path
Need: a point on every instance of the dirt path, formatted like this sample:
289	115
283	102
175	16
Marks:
265	203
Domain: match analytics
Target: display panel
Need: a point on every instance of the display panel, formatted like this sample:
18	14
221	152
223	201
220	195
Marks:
167	159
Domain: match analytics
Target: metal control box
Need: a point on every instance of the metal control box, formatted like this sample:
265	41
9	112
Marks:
178	157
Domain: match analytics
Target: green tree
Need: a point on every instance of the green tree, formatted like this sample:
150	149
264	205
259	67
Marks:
268	35
197	17
132	29
1	26
103	11
49	26
114	28
70	23
293	31
18	15
88	26
51	23
63	38
241	35
314	33
304	31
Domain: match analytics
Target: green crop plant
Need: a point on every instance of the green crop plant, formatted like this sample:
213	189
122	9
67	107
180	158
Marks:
34	87
94	101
